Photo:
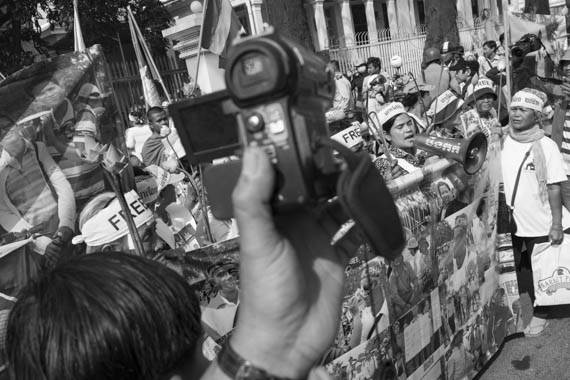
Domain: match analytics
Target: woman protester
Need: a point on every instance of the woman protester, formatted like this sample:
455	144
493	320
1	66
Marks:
399	129
533	169
417	100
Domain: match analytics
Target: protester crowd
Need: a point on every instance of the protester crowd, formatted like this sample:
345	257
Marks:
457	96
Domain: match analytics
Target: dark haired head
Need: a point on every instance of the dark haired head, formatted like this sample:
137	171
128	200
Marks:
103	316
490	44
154	110
374	61
335	65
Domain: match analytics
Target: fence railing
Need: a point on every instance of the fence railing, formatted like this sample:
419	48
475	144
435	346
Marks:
407	44
126	80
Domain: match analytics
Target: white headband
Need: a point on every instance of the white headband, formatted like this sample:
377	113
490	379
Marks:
527	100
109	224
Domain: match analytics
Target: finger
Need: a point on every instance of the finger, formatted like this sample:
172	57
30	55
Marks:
252	209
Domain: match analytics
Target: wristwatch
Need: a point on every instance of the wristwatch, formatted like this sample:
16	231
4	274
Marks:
238	368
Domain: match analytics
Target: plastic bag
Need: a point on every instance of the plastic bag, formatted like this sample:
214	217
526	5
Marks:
551	273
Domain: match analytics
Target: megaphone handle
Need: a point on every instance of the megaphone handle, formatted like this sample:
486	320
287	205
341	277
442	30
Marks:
378	127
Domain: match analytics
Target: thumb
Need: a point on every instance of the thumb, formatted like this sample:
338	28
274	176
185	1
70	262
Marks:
252	204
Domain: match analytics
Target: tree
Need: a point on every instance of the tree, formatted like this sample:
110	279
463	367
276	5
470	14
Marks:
541	7
101	20
441	18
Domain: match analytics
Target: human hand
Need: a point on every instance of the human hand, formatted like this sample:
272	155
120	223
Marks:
291	278
396	171
556	235
565	87
64	234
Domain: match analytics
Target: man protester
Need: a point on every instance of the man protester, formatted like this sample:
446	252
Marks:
35	193
435	74
342	101
154	149
490	59
374	66
533	169
466	74
218	318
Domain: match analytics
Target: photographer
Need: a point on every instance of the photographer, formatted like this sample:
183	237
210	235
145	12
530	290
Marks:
291	293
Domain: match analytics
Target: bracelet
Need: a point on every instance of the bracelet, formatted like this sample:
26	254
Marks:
556	227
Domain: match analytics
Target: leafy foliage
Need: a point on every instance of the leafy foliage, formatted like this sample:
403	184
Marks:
101	20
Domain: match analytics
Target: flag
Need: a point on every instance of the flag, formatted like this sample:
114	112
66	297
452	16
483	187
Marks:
148	70
79	43
221	26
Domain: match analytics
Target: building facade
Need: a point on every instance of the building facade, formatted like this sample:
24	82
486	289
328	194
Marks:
333	24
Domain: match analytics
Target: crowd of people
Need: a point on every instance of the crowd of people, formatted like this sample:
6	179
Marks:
95	310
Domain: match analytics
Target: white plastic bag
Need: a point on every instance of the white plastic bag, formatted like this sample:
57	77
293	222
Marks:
551	273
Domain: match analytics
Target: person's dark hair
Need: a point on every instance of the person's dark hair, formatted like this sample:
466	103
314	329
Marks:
408	100
154	110
374	61
490	44
103	316
335	65
502	38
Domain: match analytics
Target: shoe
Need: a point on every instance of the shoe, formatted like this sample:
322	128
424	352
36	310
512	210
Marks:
536	327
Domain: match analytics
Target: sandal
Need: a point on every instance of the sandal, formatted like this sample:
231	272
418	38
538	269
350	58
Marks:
536	327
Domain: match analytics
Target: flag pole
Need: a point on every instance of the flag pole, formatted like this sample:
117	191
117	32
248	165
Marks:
198	58
148	55
507	50
78	41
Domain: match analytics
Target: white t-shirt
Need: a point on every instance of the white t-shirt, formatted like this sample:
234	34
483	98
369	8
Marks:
136	137
533	217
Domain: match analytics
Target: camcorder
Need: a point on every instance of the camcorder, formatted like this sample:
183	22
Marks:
276	98
527	44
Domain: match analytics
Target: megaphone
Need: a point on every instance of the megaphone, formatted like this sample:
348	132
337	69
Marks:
471	152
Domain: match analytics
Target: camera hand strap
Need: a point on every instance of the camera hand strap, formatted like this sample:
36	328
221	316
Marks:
365	198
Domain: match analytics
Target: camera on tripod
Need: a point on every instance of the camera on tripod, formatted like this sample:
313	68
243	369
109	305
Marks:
527	44
277	94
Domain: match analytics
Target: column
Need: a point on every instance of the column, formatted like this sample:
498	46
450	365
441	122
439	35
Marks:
257	15
320	24
392	17
347	23
465	11
406	23
371	22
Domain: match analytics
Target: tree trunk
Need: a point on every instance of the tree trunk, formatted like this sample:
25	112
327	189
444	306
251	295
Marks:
289	17
441	18
541	7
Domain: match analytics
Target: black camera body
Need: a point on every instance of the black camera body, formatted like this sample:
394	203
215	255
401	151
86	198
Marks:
527	44
277	94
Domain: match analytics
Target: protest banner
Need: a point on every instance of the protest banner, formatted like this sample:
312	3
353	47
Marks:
443	300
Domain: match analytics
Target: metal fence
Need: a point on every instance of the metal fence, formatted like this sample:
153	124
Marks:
127	85
407	44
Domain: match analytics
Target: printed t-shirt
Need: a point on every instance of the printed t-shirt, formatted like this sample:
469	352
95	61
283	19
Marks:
533	217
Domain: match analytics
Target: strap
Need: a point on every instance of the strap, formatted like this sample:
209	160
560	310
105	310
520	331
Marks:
518	178
44	174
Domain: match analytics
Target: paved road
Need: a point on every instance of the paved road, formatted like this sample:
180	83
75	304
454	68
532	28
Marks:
546	357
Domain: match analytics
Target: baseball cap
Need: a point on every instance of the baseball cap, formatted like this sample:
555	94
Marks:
444	107
413	243
224	264
411	88
90	91
462	64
